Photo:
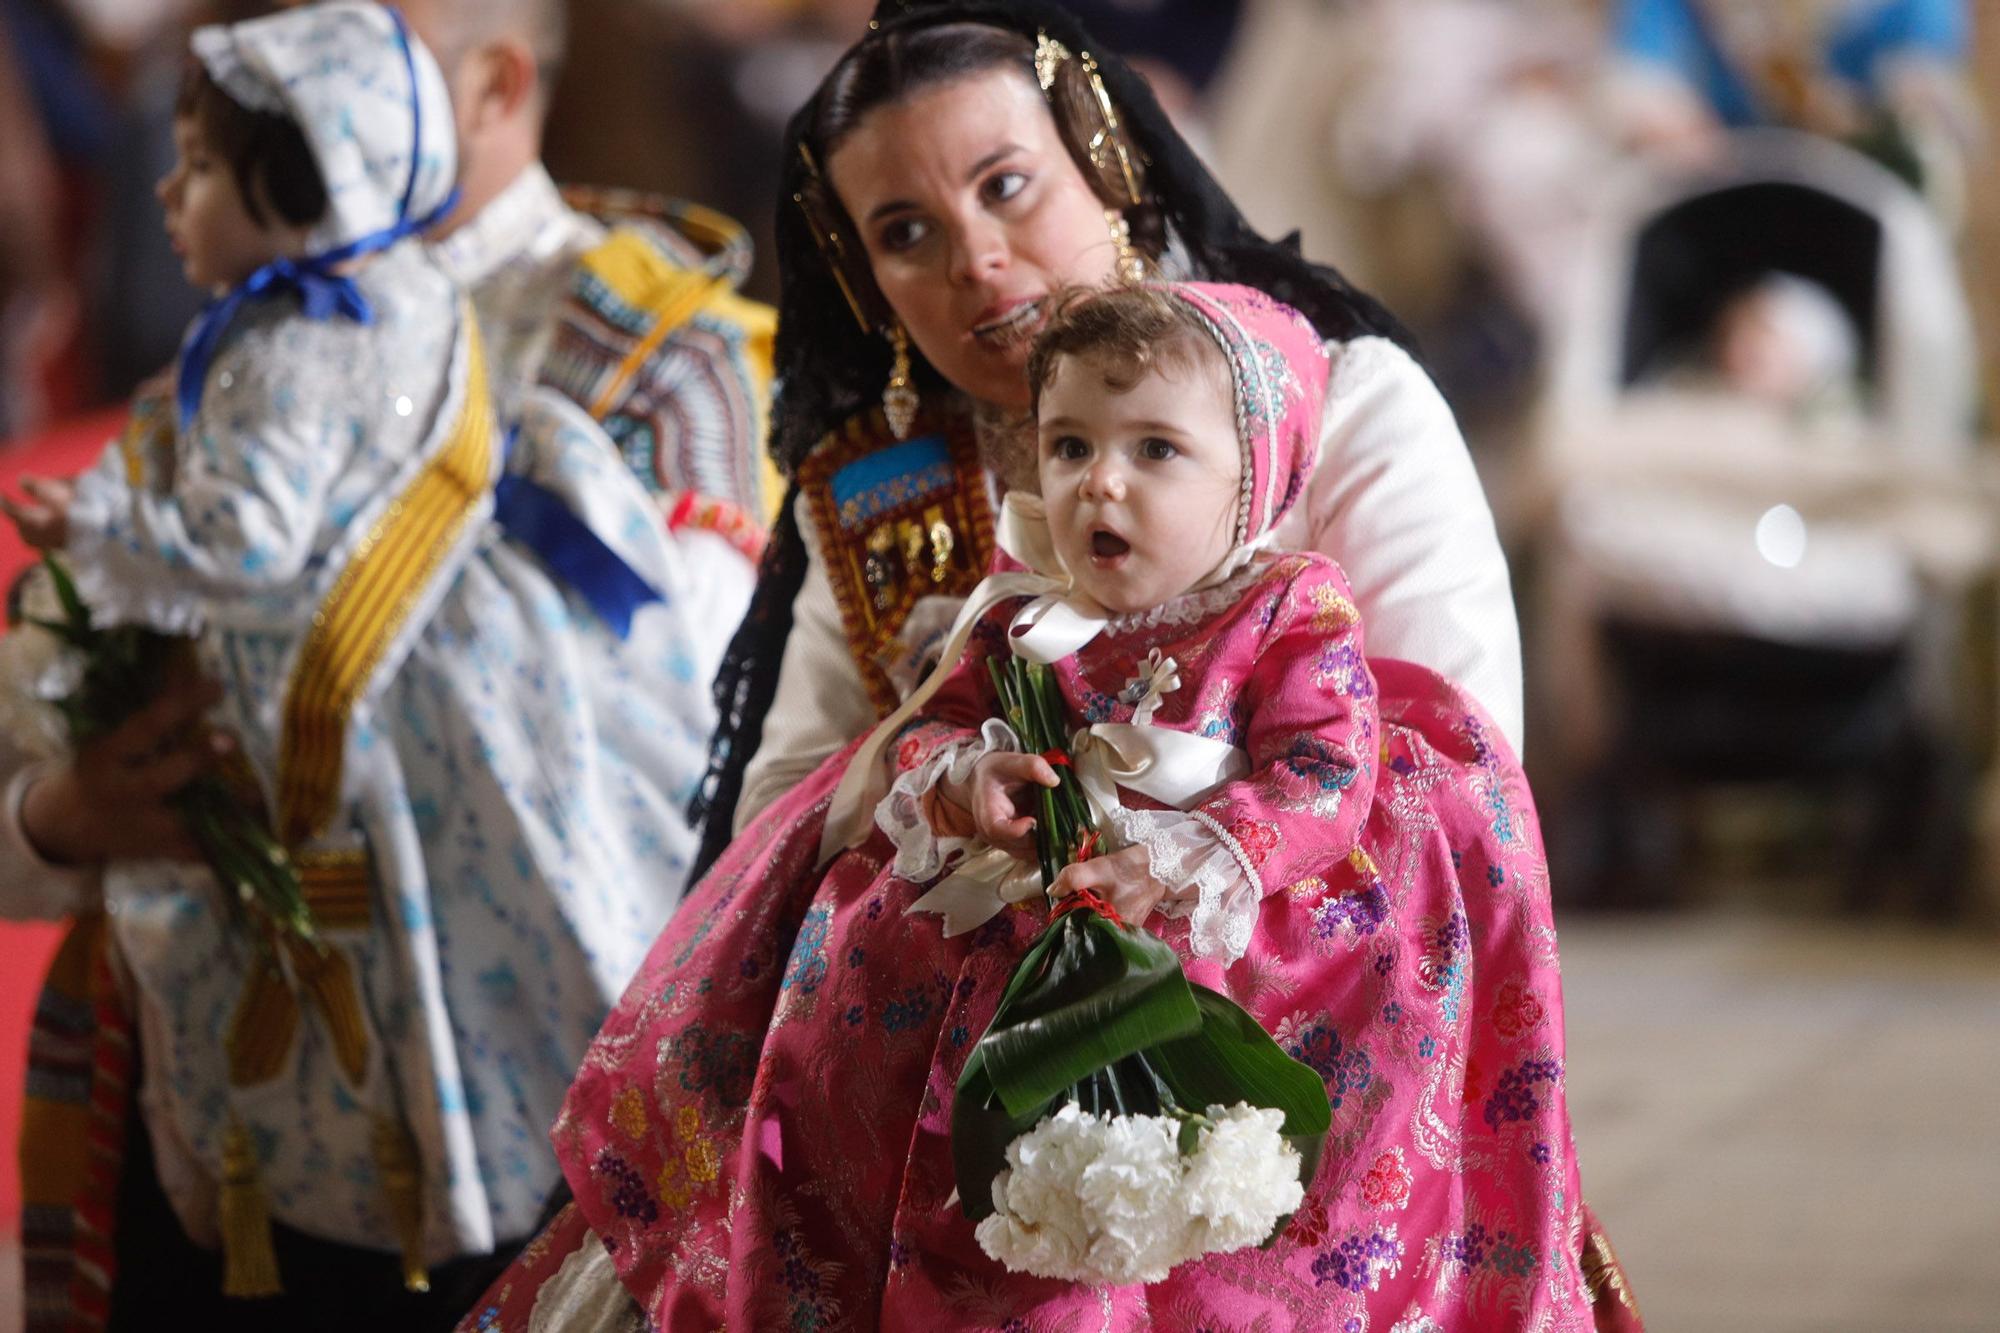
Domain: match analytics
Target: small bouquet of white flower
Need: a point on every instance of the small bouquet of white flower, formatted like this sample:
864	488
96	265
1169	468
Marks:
1115	1119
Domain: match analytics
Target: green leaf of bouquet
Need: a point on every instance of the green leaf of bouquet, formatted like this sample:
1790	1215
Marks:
1100	993
981	1129
1233	1059
66	593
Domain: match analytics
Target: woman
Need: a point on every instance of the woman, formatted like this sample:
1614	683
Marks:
932	194
935	191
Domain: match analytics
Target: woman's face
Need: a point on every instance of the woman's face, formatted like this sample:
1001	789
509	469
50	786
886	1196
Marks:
972	212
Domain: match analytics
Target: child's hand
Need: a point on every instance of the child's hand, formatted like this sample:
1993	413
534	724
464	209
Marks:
997	793
1123	878
43	518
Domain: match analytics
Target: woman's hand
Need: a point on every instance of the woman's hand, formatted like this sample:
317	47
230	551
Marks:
998	794
43	518
112	800
1122	878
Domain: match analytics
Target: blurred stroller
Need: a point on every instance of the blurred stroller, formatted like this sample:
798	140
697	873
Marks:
1757	516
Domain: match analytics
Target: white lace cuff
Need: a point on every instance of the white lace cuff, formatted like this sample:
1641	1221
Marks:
1205	878
921	853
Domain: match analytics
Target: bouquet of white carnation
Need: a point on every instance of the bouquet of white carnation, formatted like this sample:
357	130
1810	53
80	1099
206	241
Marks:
1115	1119
1112	1198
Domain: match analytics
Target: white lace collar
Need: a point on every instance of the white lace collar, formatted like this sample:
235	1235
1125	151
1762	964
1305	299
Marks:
508	226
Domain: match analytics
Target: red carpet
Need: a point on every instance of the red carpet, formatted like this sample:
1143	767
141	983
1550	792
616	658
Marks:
25	949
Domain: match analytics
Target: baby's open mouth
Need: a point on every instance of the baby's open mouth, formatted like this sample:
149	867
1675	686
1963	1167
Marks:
1108	545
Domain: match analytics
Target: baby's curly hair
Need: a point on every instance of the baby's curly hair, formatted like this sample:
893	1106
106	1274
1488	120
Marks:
1129	331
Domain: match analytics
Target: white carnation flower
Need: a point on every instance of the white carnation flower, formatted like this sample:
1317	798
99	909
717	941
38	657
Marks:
1131	1196
1242	1178
1038	1225
1108	1198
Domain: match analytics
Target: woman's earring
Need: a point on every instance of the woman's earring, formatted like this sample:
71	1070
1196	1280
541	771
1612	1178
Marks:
1131	264
899	397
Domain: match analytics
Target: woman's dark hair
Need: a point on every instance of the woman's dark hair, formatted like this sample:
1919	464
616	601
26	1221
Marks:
880	73
266	152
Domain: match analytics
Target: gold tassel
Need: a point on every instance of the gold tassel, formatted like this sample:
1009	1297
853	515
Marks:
261	1030
403	1189
328	977
249	1264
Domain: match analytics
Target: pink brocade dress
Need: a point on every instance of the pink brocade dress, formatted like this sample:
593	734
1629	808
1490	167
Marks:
760	1134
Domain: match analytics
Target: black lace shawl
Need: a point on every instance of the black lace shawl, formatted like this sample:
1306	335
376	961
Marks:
828	369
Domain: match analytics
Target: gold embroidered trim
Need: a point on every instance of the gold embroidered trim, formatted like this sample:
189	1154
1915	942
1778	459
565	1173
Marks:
1601	1269
249	1263
339	888
920	542
327	974
370	603
639	275
263	1026
403	1190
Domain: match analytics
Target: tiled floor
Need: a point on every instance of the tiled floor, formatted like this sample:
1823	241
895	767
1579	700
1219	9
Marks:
1791	1126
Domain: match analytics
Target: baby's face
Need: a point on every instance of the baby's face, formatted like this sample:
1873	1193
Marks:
218	242
1757	355
1141	484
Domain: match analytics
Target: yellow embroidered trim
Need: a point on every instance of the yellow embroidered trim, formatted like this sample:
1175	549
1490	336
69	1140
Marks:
143	442
397	1163
371	601
639	275
262	1028
938	543
339	888
249	1261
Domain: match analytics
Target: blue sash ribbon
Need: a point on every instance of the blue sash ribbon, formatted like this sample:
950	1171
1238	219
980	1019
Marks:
542	521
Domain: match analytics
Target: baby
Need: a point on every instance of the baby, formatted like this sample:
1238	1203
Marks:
1346	847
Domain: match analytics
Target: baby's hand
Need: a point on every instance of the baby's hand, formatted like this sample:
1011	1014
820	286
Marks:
1122	878
43	518
997	793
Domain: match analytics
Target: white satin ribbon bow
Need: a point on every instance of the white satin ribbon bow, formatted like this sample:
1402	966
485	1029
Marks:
1176	768
1056	623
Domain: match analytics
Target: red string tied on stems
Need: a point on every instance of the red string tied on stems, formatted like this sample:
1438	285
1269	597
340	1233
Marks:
1085	898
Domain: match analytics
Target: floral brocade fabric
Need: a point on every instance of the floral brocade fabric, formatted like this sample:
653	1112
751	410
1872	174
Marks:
760	1135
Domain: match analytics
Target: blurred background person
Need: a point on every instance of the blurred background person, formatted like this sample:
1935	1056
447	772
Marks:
1884	76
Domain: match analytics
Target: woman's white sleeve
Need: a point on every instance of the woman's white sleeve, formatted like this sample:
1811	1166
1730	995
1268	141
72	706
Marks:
821	703
1394	498
32	888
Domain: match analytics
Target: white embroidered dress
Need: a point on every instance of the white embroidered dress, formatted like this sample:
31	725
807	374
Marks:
517	784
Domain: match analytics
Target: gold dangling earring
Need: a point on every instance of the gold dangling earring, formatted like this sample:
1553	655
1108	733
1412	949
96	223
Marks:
1131	265
899	396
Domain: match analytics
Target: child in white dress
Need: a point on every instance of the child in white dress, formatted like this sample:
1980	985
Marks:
477	764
